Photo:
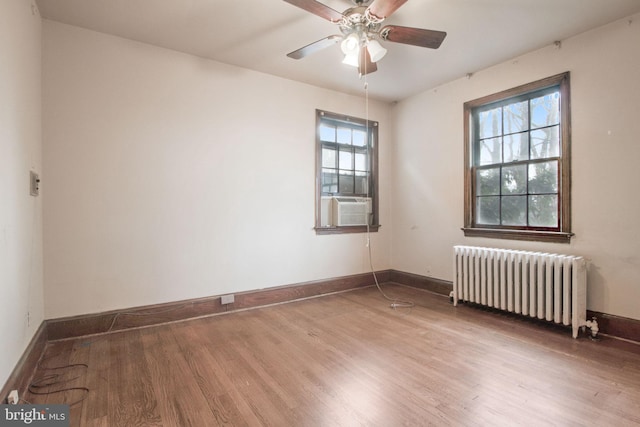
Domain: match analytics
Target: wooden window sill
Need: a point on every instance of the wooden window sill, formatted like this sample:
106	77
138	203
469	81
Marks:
530	235
347	229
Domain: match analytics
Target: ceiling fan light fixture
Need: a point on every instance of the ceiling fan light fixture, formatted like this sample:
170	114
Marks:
376	51
361	28
351	59
351	44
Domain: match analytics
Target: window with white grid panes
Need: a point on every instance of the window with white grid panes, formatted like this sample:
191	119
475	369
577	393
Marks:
346	159
517	163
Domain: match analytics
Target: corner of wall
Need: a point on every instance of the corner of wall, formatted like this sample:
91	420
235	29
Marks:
21	267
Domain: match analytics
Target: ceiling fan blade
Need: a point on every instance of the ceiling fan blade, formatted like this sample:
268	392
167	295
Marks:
413	36
318	9
365	65
382	9
314	47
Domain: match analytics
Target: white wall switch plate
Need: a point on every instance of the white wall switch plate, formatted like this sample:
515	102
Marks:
34	184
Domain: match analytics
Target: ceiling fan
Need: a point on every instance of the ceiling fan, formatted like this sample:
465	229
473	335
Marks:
361	31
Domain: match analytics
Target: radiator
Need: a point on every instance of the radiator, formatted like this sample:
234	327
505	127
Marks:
540	285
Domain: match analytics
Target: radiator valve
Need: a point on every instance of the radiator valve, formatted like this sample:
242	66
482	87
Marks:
593	326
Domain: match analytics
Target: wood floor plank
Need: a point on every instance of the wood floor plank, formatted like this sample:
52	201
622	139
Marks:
380	365
77	376
350	359
182	402
227	405
260	393
132	399
96	408
292	369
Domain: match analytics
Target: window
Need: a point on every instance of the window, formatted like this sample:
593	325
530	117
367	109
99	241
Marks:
346	174
517	164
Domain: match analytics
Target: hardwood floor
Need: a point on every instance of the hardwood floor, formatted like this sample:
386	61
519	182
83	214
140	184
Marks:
347	359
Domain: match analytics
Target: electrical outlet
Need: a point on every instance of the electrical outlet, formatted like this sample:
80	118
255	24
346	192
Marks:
227	299
13	398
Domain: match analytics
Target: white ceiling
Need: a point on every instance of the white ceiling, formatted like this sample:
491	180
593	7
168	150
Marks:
257	34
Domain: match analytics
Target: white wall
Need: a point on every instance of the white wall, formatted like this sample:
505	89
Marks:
605	88
21	295
172	177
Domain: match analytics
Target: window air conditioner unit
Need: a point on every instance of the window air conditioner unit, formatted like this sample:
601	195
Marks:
351	211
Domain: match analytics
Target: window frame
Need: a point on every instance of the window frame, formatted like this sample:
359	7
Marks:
561	234
372	150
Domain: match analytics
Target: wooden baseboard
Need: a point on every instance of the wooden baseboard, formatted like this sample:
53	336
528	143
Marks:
118	320
22	374
437	286
621	327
